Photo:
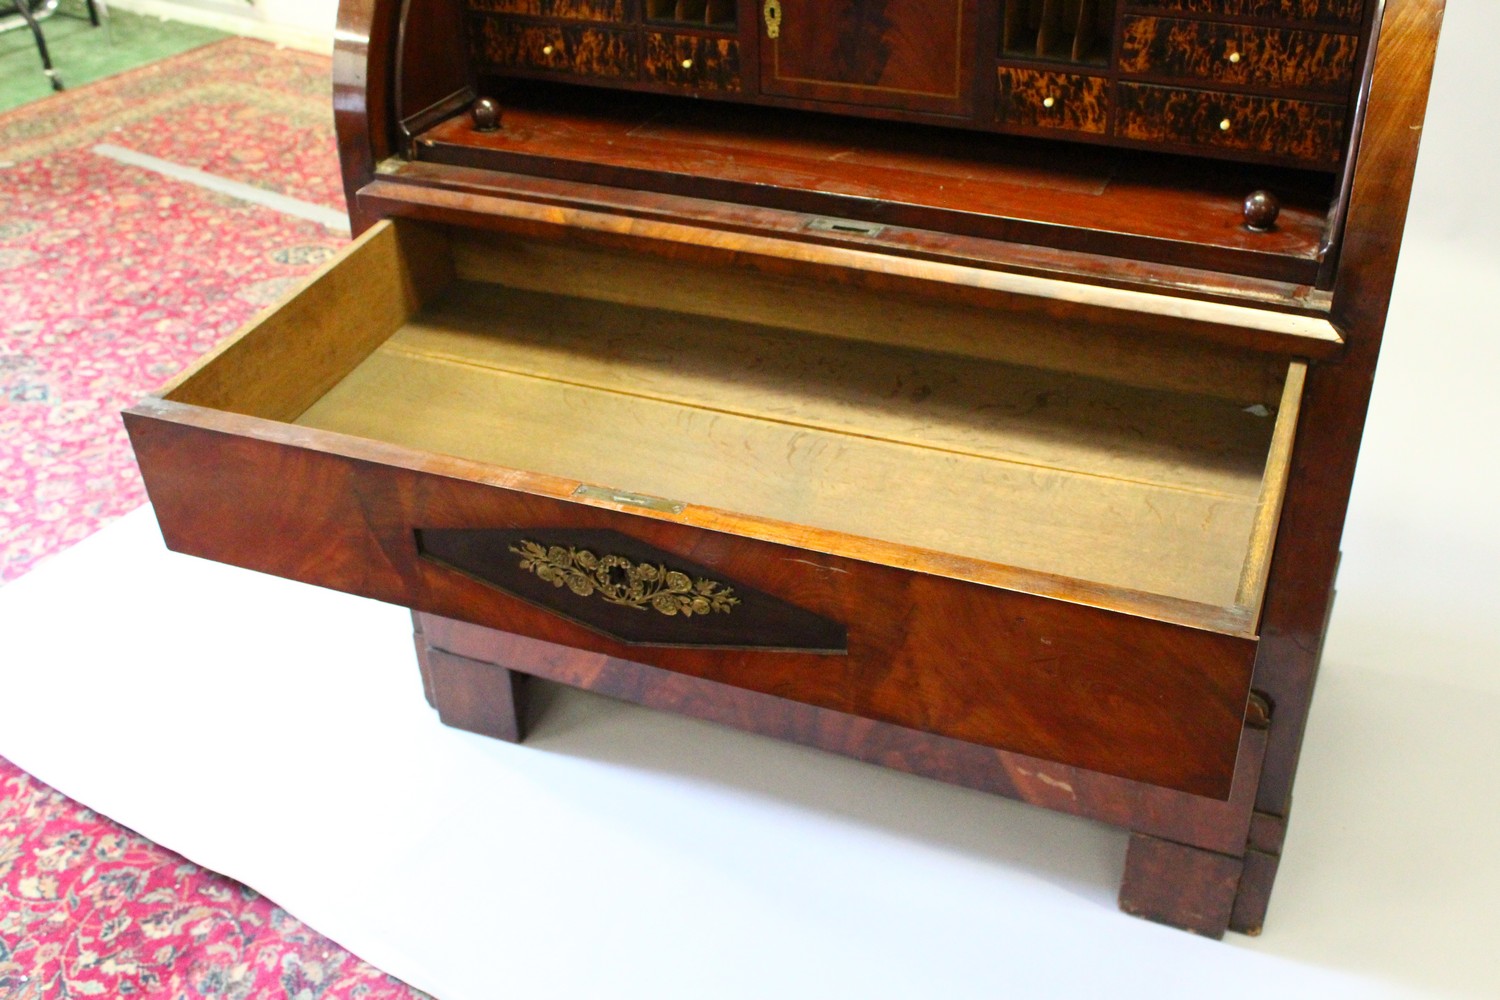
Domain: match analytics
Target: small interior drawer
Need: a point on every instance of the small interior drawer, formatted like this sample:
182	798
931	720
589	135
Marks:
1072	102
810	491
1331	12
1238	55
563	10
563	47
691	62
1284	130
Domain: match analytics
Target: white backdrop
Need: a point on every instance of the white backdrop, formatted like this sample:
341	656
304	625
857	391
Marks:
278	733
303	23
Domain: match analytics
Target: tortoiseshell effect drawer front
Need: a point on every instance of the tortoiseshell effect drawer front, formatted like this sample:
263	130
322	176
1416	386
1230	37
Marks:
573	49
1285	131
1238	54
566	10
1066	101
1345	12
692	62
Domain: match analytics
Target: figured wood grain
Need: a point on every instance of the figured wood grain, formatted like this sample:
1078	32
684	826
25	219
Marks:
575	10
1079	103
1091	688
1279	58
1209	824
691	62
560	48
1288	131
1336	12
894	53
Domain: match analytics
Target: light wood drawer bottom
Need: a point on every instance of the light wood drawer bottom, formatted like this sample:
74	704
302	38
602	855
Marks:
1054	564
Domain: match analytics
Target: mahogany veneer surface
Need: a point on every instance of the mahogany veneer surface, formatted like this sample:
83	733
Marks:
1157	207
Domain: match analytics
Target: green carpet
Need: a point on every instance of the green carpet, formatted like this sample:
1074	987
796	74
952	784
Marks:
82	53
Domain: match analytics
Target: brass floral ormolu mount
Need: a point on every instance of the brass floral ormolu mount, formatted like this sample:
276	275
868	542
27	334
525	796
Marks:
628	584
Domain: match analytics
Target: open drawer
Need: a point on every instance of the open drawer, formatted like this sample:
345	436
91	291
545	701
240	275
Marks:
910	511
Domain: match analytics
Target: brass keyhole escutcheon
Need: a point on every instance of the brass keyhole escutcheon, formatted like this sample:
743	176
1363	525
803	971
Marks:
772	11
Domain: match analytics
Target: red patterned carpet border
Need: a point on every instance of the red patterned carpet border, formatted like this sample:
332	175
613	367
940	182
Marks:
112	279
91	909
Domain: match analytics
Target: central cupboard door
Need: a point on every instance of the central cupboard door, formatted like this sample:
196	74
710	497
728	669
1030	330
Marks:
910	54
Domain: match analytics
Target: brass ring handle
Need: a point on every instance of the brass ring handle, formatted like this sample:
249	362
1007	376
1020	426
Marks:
772	12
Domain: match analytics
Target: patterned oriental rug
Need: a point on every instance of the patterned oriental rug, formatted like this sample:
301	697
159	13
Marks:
113	277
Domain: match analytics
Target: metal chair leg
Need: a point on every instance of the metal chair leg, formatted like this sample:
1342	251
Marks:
24	9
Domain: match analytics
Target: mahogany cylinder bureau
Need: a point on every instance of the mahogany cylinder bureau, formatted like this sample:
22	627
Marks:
972	388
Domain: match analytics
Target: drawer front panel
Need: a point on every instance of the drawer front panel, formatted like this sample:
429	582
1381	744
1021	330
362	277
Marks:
1104	691
1238	54
908	54
567	10
1064	101
563	48
692	62
1302	132
1331	12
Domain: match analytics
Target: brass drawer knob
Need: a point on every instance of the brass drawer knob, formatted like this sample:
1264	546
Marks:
1225	125
687	64
1048	102
1234	57
547	50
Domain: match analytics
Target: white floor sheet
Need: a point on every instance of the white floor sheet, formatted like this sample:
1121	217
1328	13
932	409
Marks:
278	733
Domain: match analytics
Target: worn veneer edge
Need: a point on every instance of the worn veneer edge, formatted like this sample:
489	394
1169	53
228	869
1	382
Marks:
1314	330
1273	490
